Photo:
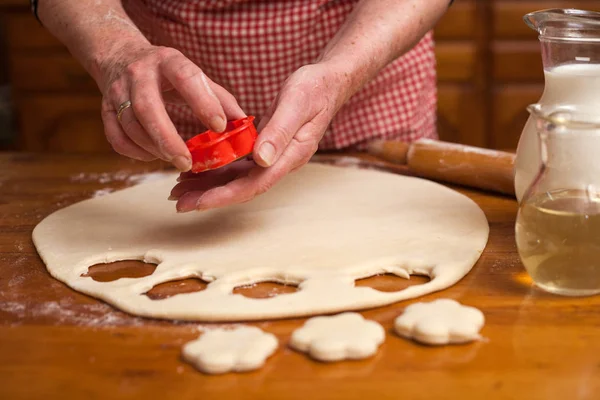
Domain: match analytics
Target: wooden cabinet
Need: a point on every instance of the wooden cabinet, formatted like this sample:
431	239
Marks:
489	70
56	101
460	107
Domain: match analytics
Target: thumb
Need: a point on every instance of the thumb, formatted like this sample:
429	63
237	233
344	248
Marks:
277	131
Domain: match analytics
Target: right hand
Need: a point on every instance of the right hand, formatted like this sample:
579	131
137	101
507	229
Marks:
150	76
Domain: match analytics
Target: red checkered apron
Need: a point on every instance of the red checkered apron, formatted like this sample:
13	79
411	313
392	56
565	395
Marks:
251	47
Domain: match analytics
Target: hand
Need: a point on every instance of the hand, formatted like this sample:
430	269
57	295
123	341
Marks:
150	76
289	135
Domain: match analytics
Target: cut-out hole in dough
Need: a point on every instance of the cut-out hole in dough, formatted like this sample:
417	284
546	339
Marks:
169	289
264	290
120	269
391	282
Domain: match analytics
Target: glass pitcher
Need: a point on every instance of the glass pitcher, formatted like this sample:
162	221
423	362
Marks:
558	223
570	41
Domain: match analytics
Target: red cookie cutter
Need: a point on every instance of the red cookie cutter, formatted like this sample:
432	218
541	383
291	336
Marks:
212	150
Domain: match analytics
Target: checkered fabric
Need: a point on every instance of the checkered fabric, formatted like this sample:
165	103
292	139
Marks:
251	47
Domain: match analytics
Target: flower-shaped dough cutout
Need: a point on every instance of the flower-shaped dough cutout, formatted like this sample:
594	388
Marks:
219	351
442	321
339	337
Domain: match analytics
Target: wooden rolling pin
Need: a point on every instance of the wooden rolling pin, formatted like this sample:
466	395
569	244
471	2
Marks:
453	163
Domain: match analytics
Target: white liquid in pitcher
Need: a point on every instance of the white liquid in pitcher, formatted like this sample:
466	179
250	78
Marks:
577	85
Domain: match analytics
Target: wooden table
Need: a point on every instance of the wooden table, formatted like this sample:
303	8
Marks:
56	343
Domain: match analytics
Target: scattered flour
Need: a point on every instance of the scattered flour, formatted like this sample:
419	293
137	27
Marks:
148	177
65	313
347	161
465	149
16	281
102	192
17	309
103	177
119	176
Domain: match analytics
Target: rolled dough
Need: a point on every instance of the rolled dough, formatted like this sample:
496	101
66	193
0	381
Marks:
321	228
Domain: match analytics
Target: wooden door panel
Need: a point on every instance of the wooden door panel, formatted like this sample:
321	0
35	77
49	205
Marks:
507	22
24	32
460	115
43	72
517	62
455	61
62	123
510	114
458	22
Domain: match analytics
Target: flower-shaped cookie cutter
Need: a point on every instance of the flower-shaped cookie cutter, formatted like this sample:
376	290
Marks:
212	150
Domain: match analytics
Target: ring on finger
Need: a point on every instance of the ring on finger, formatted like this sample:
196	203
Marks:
124	106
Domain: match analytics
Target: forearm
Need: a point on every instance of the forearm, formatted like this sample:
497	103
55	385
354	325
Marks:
376	33
92	30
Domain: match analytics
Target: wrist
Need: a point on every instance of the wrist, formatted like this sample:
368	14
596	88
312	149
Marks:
95	32
344	78
112	51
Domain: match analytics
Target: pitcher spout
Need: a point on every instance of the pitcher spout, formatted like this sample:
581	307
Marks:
565	24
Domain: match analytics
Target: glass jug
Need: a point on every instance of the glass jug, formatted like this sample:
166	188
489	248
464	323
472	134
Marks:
570	41
558	223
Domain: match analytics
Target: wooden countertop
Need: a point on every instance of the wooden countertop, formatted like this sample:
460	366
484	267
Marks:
56	343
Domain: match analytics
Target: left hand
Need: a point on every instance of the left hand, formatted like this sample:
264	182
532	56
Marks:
290	132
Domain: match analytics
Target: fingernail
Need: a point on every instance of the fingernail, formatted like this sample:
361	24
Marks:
267	153
172	198
182	163
199	206
218	124
183	209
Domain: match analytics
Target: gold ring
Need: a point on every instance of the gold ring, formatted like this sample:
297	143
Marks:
124	106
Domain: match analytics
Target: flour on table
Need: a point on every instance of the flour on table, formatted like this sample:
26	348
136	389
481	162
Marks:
102	192
218	351
346	336
442	321
321	228
120	176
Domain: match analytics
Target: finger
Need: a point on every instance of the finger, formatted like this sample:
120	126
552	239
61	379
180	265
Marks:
266	117
173	97
137	134
117	137
240	165
189	80
228	102
150	111
188	201
217	197
278	131
184	176
208	180
259	180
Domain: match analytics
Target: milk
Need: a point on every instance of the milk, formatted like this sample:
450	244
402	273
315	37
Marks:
576	85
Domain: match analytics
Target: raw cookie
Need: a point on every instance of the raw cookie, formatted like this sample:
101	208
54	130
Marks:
320	228
439	322
218	351
346	336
